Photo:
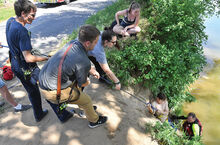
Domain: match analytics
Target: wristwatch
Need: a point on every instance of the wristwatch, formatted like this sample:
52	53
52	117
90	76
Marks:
117	83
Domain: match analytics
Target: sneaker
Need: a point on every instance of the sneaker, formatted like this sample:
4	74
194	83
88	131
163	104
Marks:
102	120
2	104
105	79
45	111
23	108
82	114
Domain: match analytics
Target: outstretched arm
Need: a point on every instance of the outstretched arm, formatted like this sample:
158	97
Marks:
31	58
111	75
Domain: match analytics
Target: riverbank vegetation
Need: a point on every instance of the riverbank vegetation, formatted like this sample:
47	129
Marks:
167	55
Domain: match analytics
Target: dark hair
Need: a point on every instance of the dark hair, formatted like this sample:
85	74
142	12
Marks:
161	96
23	5
133	5
107	34
88	33
193	115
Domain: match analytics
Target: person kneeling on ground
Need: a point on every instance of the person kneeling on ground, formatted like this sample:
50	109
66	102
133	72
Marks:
7	96
159	107
129	24
97	56
75	69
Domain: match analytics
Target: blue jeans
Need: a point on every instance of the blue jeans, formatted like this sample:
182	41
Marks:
2	83
31	87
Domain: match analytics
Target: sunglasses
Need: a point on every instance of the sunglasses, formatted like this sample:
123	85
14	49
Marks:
33	15
114	42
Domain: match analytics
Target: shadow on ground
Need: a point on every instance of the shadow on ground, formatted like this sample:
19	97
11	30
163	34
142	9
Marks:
125	126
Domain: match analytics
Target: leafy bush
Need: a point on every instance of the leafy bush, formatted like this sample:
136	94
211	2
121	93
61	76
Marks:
167	135
168	55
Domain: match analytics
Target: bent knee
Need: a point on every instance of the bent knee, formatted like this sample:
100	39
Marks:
115	29
137	29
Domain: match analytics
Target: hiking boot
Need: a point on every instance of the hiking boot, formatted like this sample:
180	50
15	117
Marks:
105	79
102	120
2	104
23	108
82	114
45	111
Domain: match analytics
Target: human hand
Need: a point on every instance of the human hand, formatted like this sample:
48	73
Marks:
125	29
1	45
94	73
118	86
88	81
150	109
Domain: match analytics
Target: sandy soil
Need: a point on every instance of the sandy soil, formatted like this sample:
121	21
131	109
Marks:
125	126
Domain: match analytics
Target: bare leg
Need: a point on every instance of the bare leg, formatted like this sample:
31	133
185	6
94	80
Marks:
134	30
5	93
118	30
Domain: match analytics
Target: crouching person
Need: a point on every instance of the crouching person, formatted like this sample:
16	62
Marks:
159	107
76	67
192	126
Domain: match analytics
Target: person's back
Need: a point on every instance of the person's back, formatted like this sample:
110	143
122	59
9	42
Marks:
76	59
75	68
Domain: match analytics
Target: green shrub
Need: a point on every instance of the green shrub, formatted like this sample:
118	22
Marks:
167	135
168	55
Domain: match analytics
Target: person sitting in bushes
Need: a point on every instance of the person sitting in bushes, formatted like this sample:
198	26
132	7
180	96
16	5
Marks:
159	107
129	24
97	56
192	126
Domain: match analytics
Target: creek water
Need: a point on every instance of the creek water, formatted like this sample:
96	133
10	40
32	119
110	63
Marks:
207	88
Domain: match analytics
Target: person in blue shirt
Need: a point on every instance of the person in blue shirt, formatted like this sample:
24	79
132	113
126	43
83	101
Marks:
19	43
97	56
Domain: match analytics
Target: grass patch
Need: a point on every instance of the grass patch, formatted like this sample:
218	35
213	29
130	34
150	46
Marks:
102	18
6	12
105	17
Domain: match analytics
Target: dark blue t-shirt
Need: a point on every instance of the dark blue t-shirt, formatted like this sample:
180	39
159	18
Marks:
18	40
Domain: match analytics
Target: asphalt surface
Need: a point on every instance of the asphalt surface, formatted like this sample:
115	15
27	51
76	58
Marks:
54	23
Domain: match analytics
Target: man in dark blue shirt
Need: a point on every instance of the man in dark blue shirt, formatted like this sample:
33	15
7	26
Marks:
20	53
75	70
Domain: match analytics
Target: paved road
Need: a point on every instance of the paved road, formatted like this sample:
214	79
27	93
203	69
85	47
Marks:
54	23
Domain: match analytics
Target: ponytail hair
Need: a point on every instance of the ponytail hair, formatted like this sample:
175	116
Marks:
107	34
133	5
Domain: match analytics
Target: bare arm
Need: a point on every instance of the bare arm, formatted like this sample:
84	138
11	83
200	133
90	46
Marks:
111	75
120	13
135	23
31	58
94	72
